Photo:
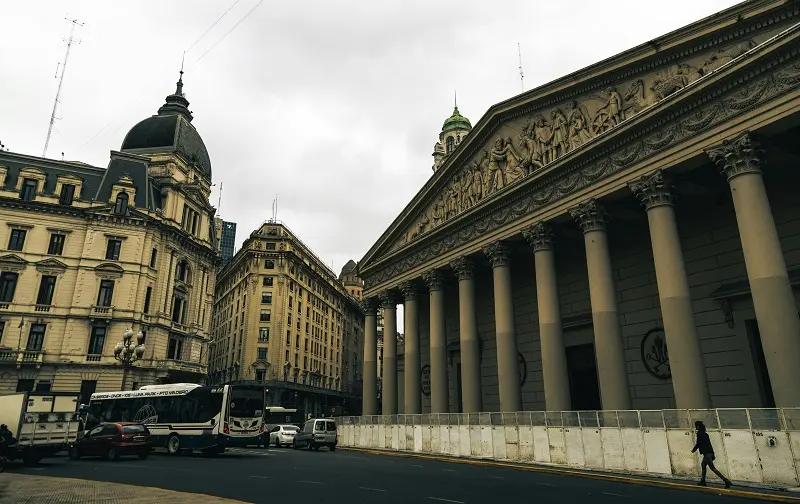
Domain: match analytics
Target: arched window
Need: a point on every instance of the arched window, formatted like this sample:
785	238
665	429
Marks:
449	144
182	271
121	208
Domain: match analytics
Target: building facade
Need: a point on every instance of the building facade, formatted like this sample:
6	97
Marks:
88	252
226	239
625	237
283	319
454	131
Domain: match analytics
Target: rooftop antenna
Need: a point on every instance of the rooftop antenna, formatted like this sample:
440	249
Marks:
455	98
70	41
275	209
521	77
219	201
3	147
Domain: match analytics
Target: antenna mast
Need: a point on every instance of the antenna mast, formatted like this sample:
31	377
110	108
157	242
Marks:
70	41
521	77
219	201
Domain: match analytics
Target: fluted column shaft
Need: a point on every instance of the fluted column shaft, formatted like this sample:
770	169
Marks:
411	358
440	401
741	160
680	329
505	331
551	335
469	341
369	393
609	348
389	391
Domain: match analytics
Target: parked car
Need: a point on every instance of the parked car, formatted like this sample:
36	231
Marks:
315	433
111	440
283	435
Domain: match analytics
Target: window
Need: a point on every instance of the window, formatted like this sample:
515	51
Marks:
175	347
147	294
2	329
290	301
269	264
106	293
24	385
179	309
262	354
67	194
270	245
8	285
88	388
36	337
47	288
113	249
268	281
265	316
17	239
121	207
153	257
97	340
56	246
260	375
263	334
44	386
266	298
182	271
28	191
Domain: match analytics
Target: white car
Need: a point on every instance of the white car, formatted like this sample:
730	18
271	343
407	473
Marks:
283	435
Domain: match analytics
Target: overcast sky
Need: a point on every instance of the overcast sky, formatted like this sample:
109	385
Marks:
332	105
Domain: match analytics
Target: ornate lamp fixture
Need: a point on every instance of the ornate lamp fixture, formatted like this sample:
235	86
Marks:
127	352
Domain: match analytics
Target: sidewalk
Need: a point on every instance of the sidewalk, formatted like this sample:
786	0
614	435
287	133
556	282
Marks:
26	489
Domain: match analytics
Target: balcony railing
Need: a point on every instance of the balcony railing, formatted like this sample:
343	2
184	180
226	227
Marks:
102	311
21	357
180	327
93	358
4	305
42	308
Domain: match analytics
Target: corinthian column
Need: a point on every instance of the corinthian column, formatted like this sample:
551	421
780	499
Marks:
411	368
685	356
369	393
389	391
551	336
506	335
609	349
440	402
741	160
470	343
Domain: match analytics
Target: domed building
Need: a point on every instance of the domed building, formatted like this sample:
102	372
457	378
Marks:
454	130
120	261
349	277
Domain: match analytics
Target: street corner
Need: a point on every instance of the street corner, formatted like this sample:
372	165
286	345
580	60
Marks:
26	489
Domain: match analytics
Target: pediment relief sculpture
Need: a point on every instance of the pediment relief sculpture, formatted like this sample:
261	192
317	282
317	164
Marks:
525	145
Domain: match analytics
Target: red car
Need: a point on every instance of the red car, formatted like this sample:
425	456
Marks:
111	440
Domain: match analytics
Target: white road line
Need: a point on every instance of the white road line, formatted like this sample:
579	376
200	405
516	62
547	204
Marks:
415	465
614	494
545	484
260	477
351	457
372	489
153	467
496	477
446	500
449	470
312	482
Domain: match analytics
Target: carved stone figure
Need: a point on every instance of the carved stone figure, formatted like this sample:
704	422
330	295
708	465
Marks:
560	144
513	169
497	158
610	113
532	158
726	55
542	136
477	193
637	98
673	79
578	131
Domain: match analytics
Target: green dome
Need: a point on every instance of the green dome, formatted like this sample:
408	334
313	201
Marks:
456	122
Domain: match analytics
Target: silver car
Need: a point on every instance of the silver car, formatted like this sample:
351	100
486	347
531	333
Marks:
283	435
317	432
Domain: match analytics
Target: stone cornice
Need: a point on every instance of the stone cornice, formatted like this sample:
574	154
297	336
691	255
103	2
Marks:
723	28
685	114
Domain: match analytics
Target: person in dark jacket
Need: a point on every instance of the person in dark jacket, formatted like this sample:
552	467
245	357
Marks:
703	444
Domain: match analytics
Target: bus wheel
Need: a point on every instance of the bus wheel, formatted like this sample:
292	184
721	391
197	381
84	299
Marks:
173	445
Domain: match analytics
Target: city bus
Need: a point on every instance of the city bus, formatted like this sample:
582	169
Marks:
246	416
180	416
278	415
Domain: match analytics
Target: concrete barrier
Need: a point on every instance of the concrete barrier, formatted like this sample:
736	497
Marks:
757	446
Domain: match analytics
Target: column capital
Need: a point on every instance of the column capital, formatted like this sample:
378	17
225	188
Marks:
464	268
409	289
590	216
499	254
434	279
388	299
370	306
652	190
540	236
737	155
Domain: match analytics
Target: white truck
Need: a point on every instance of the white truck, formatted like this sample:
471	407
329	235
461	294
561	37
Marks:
42	423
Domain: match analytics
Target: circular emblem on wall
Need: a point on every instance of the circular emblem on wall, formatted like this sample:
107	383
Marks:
425	379
654	353
523	369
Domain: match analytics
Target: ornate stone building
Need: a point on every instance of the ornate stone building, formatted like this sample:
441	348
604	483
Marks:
454	131
282	318
627	236
87	252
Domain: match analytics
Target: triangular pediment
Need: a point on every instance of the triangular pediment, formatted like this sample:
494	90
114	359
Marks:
12	262
109	270
571	118
51	264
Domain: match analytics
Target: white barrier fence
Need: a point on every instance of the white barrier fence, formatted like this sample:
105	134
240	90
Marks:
757	446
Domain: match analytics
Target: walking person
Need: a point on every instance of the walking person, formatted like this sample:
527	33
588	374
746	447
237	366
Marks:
707	451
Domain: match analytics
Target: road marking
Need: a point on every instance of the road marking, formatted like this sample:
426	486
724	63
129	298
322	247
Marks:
260	477
449	470
153	467
373	489
312	482
545	484
446	500
415	465
350	457
614	494
496	477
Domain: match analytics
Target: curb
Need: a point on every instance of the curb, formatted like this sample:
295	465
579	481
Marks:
772	497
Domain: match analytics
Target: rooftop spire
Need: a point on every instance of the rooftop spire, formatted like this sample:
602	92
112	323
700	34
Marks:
179	84
177	103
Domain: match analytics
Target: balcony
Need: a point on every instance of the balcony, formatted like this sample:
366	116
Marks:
4	305
21	357
105	312
180	365
93	358
176	326
42	307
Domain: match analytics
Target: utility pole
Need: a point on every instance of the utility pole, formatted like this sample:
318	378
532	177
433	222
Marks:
70	41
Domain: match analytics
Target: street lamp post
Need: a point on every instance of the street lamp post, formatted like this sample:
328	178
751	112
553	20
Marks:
127	352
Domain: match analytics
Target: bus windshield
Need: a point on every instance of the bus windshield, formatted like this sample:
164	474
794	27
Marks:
247	403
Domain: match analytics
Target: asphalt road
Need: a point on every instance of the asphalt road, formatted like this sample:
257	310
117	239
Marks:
298	477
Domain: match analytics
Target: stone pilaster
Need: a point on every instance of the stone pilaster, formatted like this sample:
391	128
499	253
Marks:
389	384
468	329
411	357
370	372
440	402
